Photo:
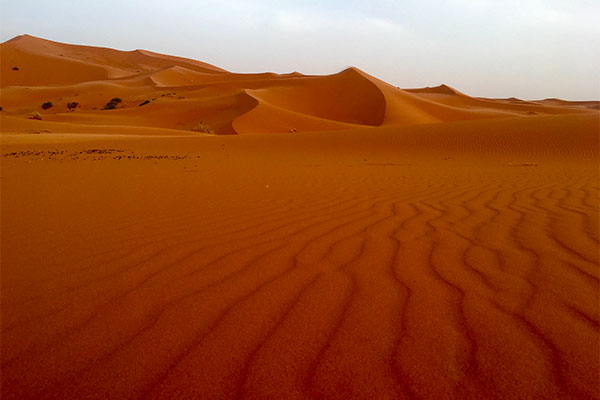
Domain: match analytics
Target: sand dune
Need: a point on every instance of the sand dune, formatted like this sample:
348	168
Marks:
43	62
92	76
353	241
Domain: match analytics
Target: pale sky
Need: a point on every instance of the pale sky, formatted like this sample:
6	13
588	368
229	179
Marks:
530	49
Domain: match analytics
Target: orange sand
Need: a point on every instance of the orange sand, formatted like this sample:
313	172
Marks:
353	241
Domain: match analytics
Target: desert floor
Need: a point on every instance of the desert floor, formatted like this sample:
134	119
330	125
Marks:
453	259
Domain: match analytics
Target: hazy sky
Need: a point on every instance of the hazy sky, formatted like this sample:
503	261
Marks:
495	48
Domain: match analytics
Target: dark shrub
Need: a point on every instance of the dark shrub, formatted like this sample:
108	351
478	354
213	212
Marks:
47	105
144	102
72	105
112	104
15	68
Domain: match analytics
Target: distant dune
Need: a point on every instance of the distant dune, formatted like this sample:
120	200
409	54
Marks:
218	235
183	93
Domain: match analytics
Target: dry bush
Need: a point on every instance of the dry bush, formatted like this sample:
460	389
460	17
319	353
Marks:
35	115
112	104
202	127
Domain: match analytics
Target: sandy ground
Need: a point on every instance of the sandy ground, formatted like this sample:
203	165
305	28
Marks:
418	244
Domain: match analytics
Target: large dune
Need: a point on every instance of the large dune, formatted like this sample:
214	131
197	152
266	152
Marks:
183	93
270	236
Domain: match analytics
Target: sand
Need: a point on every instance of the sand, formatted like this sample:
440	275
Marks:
315	237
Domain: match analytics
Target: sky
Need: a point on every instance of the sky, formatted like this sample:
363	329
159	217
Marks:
531	49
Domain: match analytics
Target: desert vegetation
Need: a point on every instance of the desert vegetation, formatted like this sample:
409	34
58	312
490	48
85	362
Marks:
47	105
202	127
112	104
